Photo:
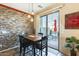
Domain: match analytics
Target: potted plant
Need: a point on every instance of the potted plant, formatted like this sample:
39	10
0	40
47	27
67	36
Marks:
73	44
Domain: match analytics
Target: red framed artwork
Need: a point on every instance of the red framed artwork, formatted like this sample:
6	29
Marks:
72	21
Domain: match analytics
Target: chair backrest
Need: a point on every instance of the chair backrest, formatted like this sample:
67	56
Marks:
24	41
41	34
43	42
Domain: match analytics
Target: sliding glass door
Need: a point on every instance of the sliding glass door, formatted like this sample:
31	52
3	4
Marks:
49	25
53	30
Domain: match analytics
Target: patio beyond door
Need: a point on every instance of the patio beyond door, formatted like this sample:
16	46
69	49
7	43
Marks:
49	25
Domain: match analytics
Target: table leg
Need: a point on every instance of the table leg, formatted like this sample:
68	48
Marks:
34	50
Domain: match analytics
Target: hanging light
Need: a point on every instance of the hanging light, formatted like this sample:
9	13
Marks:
32	13
29	16
32	10
31	20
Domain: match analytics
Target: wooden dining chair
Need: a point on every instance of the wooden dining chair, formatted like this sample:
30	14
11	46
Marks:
42	44
24	43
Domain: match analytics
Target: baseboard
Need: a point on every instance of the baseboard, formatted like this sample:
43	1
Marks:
9	49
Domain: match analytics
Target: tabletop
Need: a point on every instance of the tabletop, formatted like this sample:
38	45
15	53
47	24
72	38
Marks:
34	37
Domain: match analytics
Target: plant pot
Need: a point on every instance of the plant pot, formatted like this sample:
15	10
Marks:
73	52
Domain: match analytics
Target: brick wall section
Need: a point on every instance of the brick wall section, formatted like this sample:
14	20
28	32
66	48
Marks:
12	23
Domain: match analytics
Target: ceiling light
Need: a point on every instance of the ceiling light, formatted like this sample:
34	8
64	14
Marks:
31	20
32	10
40	6
29	16
32	13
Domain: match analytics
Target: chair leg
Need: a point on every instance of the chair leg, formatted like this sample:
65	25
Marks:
41	52
24	51
20	50
46	51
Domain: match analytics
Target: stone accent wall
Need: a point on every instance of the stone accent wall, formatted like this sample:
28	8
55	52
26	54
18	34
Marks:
12	23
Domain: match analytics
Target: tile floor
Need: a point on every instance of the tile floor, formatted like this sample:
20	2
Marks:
51	52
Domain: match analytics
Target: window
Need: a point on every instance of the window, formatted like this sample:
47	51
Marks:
43	25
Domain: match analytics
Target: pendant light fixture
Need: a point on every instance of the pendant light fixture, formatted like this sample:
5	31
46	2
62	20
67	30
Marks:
32	12
31	19
28	6
29	16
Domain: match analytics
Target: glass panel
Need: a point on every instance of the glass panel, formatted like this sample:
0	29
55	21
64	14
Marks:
43	25
51	19
53	29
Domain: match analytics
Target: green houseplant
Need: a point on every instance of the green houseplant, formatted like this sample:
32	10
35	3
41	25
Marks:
73	44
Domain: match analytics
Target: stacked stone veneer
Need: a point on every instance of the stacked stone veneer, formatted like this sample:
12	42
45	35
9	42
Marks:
12	23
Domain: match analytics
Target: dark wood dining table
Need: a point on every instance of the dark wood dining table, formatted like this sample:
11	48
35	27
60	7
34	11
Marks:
33	39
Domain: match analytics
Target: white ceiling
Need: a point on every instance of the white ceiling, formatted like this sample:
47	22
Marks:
27	7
